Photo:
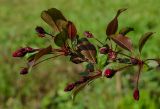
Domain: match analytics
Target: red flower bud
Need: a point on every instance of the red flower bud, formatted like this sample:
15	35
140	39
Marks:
109	73
24	71
41	32
136	94
112	55
19	53
88	34
82	80
69	87
23	51
134	61
29	49
103	50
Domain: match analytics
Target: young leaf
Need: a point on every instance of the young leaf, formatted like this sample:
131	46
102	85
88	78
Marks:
43	52
125	30
123	41
75	58
144	39
32	60
60	39
54	18
72	31
90	67
88	50
113	25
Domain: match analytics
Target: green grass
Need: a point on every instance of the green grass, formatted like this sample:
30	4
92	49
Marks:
43	88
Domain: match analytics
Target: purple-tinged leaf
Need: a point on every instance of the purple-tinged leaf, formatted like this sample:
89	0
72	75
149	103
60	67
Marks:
43	52
144	39
71	29
88	50
77	59
113	25
123	41
55	19
35	57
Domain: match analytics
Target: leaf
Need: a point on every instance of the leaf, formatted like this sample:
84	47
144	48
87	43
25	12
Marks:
60	39
113	25
43	52
90	67
88	50
125	30
32	60
123	42
54	18
72	31
78	89
75	58
144	39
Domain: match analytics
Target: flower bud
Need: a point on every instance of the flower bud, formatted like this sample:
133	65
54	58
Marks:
19	53
88	34
24	71
136	94
112	55
29	49
103	50
41	32
134	61
82	80
69	87
109	73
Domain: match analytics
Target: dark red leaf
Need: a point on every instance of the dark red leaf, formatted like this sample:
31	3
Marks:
113	25
88	50
43	52
54	18
144	39
75	58
123	41
72	31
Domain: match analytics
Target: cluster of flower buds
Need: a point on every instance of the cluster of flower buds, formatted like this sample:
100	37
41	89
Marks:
82	50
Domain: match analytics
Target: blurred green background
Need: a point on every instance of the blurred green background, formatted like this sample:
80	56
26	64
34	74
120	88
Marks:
43	87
